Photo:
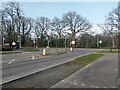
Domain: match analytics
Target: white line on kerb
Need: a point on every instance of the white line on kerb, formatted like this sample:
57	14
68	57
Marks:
11	61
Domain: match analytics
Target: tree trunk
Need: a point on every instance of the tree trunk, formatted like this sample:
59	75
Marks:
86	44
19	38
73	39
113	42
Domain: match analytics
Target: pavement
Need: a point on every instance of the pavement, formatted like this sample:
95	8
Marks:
102	73
13	69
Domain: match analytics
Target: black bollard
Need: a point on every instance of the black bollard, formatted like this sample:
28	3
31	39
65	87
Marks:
110	49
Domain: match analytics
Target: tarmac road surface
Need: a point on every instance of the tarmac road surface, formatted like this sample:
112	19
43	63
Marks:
15	70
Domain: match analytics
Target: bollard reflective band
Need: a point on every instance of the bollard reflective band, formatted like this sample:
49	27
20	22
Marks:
44	51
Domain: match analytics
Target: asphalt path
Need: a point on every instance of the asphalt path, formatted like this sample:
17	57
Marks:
17	70
102	73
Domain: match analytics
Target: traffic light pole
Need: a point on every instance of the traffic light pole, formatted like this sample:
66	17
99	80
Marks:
100	47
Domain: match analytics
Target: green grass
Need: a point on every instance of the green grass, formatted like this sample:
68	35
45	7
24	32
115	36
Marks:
84	60
31	50
110	52
9	52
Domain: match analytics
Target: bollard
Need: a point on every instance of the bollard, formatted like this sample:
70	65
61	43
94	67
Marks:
71	49
110	49
44	51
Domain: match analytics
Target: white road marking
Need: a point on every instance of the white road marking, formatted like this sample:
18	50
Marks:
33	57
62	81
104	87
75	80
92	86
83	84
11	61
75	83
115	69
97	86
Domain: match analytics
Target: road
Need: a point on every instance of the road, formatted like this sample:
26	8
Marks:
19	69
20	55
102	73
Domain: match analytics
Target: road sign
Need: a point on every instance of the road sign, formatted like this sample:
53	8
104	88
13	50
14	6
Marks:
3	40
100	41
100	44
73	42
33	41
7	44
13	43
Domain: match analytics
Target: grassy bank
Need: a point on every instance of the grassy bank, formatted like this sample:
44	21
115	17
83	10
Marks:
110	52
9	52
84	60
31	50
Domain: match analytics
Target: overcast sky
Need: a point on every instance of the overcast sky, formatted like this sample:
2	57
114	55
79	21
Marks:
95	12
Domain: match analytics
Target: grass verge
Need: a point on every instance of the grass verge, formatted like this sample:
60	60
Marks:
31	50
84	60
110	52
9	52
51	76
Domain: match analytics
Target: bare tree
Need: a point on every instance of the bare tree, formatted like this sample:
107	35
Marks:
58	26
26	27
12	13
42	26
75	24
19	14
111	25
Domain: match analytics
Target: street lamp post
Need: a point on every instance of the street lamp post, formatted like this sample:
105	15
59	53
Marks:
97	41
19	40
48	40
65	42
48	43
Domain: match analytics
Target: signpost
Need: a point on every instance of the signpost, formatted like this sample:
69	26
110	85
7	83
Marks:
73	42
13	43
3	41
100	44
48	40
34	43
